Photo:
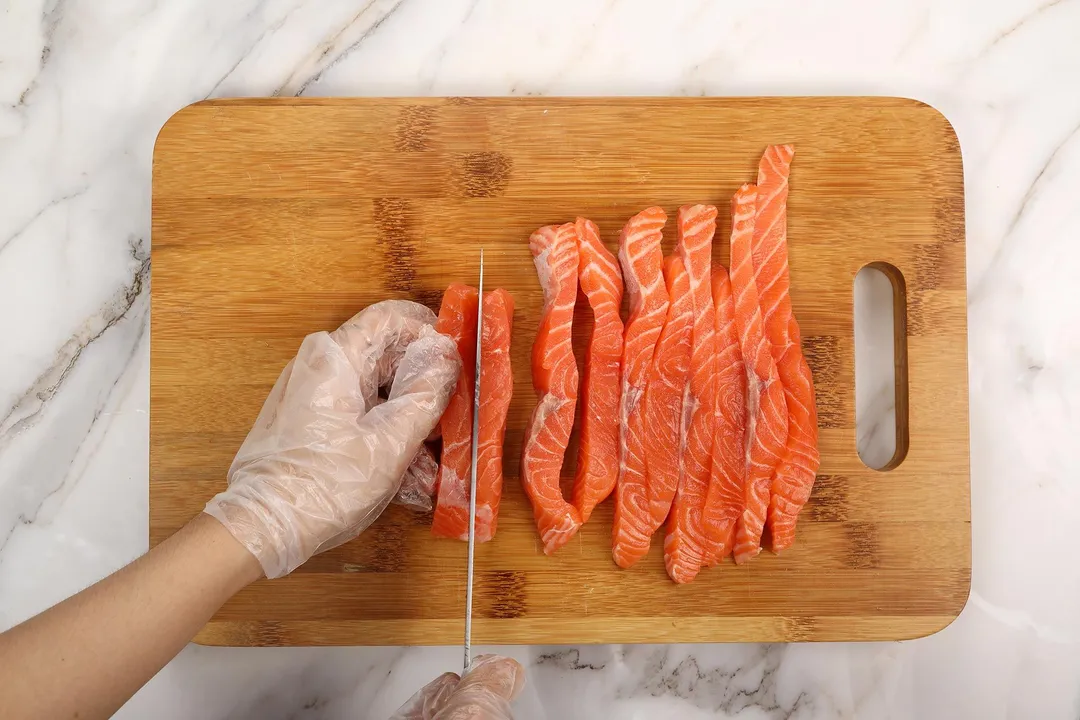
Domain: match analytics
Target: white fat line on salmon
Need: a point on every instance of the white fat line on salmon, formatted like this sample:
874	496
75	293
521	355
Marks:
695	229
456	444
764	291
793	398
654	286
566	526
753	400
645	247
774	428
631	398
455	494
548	405
690	407
607	262
624	417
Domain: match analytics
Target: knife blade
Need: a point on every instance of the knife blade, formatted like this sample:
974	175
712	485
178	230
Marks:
472	474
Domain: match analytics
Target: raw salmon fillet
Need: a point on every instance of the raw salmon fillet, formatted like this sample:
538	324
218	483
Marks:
457	320
555	378
687	539
766	413
665	389
598	442
496	389
794	479
726	500
642	263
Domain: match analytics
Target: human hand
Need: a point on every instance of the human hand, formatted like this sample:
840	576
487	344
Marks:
485	693
326	454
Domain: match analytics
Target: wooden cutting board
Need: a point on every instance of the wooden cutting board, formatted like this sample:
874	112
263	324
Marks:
276	218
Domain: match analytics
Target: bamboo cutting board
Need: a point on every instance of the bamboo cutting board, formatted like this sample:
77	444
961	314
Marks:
276	218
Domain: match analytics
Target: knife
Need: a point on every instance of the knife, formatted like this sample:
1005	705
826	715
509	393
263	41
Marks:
472	475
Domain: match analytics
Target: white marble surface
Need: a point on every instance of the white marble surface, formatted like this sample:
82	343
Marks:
85	85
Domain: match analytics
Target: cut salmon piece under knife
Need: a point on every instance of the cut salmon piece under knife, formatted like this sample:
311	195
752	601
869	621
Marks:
727	488
598	439
457	320
642	263
555	378
794	478
665	390
687	537
496	390
766	414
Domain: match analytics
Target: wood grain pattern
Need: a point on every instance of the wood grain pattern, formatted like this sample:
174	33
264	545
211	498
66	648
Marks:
276	218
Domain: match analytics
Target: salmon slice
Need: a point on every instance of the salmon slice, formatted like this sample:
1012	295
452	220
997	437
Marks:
496	389
687	539
457	320
665	389
642	263
727	487
766	411
555	378
794	478
598	442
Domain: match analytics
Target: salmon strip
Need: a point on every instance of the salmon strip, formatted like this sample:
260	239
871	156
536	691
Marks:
665	389
598	443
794	478
687	539
727	488
642	264
766	413
457	320
555	378
496	389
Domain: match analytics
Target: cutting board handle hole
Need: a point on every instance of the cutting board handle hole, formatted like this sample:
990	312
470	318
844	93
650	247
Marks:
881	419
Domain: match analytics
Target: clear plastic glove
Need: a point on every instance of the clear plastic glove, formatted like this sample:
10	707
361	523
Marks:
326	455
417	491
485	693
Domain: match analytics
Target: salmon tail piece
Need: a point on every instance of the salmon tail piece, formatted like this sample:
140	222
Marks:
598	444
794	478
642	262
555	379
457	320
766	415
688	538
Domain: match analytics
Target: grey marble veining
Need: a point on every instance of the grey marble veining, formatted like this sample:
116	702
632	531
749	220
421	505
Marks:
85	86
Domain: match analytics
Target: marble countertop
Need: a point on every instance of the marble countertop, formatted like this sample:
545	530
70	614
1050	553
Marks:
85	86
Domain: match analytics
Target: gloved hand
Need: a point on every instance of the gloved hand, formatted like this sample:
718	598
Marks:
485	693
326	455
417	491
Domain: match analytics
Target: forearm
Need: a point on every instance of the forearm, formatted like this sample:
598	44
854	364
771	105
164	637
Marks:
89	654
